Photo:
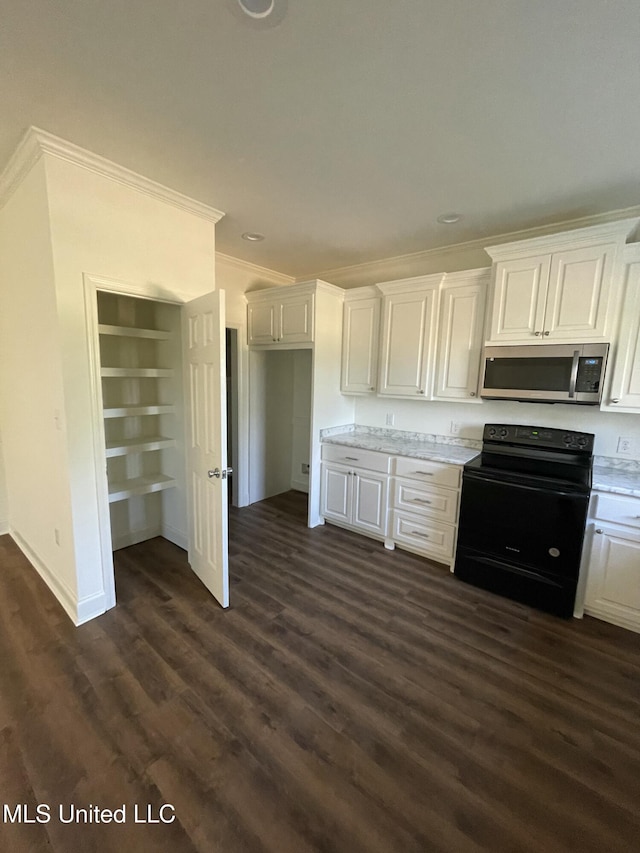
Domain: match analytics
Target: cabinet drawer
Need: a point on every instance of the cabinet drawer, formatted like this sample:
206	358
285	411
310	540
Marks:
369	459
619	509
426	500
438	473
423	535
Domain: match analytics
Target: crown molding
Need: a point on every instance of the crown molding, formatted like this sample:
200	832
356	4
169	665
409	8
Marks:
374	270
617	231
277	278
37	142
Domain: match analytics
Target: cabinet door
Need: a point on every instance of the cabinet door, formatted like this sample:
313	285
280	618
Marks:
335	501
579	292
361	321
613	582
623	390
370	502
261	323
296	319
460	339
519	294
407	344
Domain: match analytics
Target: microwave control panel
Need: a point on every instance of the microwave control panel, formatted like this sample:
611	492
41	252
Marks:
589	374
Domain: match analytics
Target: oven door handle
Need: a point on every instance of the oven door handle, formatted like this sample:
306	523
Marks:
573	378
513	484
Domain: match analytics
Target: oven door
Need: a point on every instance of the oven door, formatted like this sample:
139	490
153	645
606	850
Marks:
535	526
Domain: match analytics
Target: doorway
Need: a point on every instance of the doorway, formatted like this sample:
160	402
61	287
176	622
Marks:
280	421
160	426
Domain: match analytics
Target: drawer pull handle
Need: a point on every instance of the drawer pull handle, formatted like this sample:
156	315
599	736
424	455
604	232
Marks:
424	473
598	530
425	501
418	533
352	458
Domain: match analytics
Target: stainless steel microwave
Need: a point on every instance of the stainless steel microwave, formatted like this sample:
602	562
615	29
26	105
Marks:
546	373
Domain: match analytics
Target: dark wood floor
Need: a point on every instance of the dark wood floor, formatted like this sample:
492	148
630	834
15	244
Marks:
351	700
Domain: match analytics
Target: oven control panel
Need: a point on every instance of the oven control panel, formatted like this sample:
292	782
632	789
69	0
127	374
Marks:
543	436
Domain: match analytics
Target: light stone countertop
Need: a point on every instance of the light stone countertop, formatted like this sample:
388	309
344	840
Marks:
400	443
616	480
620	477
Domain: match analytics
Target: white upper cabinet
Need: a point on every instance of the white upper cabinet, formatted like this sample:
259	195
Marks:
360	336
460	335
431	336
407	336
281	316
622	392
564	287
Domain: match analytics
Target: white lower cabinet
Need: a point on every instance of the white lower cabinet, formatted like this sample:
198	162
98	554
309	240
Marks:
424	508
355	486
613	562
415	509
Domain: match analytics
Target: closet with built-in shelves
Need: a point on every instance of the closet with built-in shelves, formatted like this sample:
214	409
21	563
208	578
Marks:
142	400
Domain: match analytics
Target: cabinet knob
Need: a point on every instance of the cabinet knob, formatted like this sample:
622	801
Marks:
547	334
615	400
421	391
537	334
472	394
372	388
598	530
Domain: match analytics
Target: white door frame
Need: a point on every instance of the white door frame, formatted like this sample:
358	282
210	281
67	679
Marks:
92	285
240	464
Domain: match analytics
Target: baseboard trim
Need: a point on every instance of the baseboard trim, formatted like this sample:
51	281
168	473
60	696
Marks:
174	535
65	596
300	485
133	537
90	607
4	530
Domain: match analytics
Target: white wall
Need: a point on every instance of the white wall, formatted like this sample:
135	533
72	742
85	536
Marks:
301	419
436	417
4	507
32	403
102	227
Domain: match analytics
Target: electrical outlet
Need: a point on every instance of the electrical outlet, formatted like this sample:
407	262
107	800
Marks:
304	468
391	419
626	445
455	428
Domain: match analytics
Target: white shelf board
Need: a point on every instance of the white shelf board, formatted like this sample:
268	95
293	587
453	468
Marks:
137	372
133	411
138	445
133	332
124	489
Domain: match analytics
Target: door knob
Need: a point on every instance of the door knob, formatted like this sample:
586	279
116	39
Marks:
218	473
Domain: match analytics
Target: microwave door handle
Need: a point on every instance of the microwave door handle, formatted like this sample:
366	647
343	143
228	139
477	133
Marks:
574	373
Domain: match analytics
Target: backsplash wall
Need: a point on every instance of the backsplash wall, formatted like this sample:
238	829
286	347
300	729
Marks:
437	418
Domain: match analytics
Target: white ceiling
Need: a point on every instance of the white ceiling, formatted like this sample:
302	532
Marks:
344	131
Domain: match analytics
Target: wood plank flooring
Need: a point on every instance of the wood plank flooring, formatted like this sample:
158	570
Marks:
351	700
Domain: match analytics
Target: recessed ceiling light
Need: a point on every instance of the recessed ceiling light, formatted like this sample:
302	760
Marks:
252	236
449	218
258	14
257	8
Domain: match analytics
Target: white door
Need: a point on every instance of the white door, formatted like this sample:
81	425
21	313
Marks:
206	441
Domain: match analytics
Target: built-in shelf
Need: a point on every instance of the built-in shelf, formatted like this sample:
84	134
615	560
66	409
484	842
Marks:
137	372
133	332
124	489
125	446
134	411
